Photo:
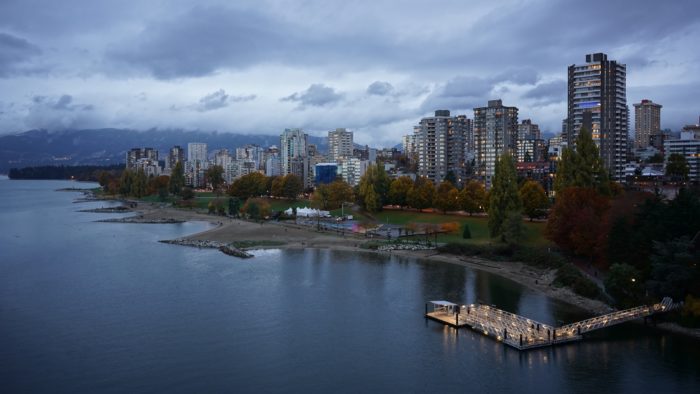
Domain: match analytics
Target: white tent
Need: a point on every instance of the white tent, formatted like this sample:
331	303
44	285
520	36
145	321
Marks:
308	212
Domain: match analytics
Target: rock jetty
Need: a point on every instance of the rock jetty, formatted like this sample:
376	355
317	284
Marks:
224	248
195	243
390	247
119	209
141	219
233	251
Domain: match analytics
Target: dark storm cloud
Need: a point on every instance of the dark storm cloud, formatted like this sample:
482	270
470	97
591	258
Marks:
14	53
317	95
380	88
488	49
549	92
202	41
552	34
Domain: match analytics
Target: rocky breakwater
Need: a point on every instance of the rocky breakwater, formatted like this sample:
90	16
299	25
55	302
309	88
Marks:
141	219
390	247
118	209
234	251
224	248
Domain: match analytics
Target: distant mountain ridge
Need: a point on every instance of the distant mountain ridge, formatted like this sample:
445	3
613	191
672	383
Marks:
109	146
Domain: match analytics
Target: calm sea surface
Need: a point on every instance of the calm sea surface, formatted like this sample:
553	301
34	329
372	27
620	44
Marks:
90	307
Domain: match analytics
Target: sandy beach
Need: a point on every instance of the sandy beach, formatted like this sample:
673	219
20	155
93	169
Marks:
287	235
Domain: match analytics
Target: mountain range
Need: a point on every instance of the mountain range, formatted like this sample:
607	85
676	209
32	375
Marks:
109	146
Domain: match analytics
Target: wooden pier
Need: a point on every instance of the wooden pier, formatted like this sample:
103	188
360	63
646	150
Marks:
523	333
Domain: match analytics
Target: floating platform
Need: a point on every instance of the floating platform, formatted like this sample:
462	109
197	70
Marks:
523	333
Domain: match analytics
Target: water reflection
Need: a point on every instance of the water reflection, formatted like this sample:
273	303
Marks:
84	312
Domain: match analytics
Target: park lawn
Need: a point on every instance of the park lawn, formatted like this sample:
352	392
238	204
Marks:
156	199
202	199
277	204
478	226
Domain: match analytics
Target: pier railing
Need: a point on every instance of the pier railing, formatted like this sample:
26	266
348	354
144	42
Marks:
523	333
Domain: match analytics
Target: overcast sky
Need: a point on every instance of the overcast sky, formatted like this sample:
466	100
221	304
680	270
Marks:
375	67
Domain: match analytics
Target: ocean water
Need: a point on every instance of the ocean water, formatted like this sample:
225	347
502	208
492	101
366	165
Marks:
89	307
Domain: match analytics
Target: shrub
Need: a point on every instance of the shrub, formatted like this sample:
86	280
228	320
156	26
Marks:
492	252
466	234
690	314
568	275
539	257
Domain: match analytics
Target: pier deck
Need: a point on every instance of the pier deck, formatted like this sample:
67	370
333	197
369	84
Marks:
523	333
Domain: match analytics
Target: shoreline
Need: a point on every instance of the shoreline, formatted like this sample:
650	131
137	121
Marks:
283	235
292	236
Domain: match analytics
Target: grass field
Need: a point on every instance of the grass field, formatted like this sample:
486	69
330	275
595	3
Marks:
478	226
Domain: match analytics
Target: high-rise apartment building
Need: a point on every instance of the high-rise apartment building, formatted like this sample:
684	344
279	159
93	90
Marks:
469	144
197	164
495	133
340	144
196	151
440	146
409	144
597	100
294	154
528	130
176	155
530	145
647	122
132	156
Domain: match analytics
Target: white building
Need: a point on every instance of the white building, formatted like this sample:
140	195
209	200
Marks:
352	169
495	133
597	100
688	146
340	144
294	154
196	151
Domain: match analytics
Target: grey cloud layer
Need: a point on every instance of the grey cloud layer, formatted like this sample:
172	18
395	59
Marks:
336	60
59	113
15	52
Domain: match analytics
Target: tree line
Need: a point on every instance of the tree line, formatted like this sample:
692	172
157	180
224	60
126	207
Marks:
648	245
80	173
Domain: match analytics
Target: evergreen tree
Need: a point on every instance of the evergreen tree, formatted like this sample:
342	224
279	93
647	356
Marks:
589	170
565	170
513	229
177	179
451	177
138	189
582	167
677	167
125	182
504	197
234	206
466	233
215	177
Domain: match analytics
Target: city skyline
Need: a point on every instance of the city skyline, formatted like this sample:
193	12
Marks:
375	70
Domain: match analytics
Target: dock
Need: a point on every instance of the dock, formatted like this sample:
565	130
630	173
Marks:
523	333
